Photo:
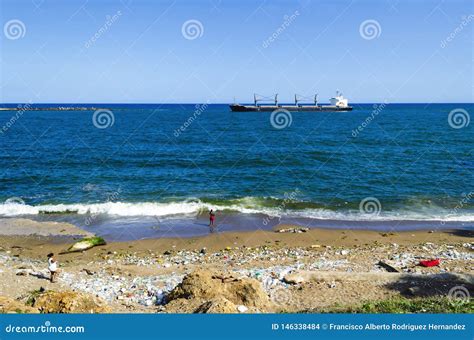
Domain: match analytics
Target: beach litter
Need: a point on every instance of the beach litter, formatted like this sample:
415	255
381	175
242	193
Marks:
292	230
242	309
87	271
145	291
469	246
388	267
430	263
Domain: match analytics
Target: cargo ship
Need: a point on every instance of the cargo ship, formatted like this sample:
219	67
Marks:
337	103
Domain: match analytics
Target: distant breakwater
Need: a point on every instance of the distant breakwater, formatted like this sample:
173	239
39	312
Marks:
62	108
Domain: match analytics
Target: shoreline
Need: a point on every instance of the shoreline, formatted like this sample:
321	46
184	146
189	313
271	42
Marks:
55	231
314	237
123	228
313	270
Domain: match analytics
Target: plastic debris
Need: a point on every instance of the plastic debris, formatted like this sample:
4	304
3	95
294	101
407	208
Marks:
430	263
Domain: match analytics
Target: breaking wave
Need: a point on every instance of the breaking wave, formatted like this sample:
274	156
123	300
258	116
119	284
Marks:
248	205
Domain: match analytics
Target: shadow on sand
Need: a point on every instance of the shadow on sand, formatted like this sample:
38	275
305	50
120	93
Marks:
432	285
462	233
40	275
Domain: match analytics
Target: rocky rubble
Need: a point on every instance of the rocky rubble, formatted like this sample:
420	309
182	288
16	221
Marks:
9	305
69	302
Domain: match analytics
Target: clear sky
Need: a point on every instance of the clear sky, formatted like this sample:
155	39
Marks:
136	51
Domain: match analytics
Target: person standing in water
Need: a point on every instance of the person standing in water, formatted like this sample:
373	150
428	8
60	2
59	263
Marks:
212	217
52	266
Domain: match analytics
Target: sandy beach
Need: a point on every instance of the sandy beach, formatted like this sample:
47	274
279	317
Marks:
262	271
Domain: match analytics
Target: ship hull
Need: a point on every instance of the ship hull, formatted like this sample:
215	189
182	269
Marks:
290	108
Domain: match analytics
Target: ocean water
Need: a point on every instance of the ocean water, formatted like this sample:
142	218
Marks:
154	170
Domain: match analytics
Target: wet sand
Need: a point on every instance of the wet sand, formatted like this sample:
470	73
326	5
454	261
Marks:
26	227
36	236
133	228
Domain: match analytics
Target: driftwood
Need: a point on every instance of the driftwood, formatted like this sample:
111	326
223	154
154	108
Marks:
388	267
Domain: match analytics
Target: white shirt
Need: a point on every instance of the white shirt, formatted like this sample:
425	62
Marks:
52	265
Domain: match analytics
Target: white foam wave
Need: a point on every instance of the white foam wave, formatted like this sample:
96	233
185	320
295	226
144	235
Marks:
108	208
194	206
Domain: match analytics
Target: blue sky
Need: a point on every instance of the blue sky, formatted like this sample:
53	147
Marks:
64	54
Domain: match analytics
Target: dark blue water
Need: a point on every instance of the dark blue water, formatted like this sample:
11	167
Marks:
396	162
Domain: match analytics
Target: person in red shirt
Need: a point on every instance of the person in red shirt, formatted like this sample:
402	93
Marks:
212	217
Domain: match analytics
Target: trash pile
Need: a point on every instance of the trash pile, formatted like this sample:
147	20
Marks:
427	255
146	291
131	278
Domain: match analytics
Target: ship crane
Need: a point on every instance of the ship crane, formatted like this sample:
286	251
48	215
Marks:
300	98
259	98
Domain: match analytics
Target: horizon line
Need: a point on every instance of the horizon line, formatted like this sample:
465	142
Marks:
213	103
